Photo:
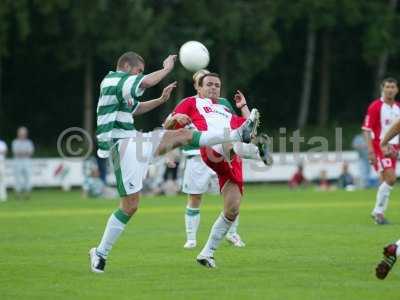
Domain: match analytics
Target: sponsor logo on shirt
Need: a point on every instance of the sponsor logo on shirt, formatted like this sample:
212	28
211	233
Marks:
208	109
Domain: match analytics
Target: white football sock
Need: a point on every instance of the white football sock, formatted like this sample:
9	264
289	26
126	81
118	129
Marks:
210	138
218	232
192	221
382	198
115	226
249	151
233	229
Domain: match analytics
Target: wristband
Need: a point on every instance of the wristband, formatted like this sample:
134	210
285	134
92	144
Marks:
243	106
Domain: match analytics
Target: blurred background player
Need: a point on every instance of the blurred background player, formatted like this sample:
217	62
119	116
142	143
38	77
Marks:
197	178
381	114
3	153
22	150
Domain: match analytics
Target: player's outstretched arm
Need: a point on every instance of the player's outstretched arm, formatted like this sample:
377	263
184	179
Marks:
392	132
147	106
153	78
241	104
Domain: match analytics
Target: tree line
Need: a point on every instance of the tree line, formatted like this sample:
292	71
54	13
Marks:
303	63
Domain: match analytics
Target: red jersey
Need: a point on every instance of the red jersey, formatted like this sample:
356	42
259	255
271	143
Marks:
380	116
207	114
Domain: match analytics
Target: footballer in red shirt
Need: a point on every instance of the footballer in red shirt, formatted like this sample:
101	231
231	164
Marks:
381	114
205	112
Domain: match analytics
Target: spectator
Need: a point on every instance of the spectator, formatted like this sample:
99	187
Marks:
361	147
345	180
298	178
323	183
3	190
93	186
22	149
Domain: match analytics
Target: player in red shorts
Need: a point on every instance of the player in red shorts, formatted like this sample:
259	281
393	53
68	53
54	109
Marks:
381	114
205	113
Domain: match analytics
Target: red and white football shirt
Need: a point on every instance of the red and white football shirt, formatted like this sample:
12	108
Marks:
379	118
209	115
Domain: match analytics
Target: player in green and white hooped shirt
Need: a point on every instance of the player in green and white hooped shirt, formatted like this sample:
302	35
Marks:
132	151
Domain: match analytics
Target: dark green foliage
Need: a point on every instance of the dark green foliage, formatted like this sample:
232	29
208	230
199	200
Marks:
257	46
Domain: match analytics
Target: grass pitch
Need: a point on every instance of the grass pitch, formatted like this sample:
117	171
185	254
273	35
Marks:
300	245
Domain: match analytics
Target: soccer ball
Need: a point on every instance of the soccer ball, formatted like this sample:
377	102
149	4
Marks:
194	56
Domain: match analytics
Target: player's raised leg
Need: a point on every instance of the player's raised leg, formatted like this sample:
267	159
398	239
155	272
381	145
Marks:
260	150
390	254
176	138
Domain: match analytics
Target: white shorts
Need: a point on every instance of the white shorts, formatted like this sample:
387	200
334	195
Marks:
197	176
131	158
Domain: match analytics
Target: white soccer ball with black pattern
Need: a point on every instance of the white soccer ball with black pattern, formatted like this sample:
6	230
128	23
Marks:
194	56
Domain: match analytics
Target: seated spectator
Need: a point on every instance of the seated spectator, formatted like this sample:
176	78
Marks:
298	178
323	183
93	186
346	180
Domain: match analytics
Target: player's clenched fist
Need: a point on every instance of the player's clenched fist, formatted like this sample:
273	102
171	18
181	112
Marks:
182	119
169	62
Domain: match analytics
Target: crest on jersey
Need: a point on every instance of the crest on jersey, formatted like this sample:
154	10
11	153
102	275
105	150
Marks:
207	109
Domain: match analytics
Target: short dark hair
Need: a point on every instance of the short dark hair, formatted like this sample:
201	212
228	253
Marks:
131	58
208	75
389	80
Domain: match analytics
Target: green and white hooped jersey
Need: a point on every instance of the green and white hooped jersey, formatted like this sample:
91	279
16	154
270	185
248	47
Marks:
117	102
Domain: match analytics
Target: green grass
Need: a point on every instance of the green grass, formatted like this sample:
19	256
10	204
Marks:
300	245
